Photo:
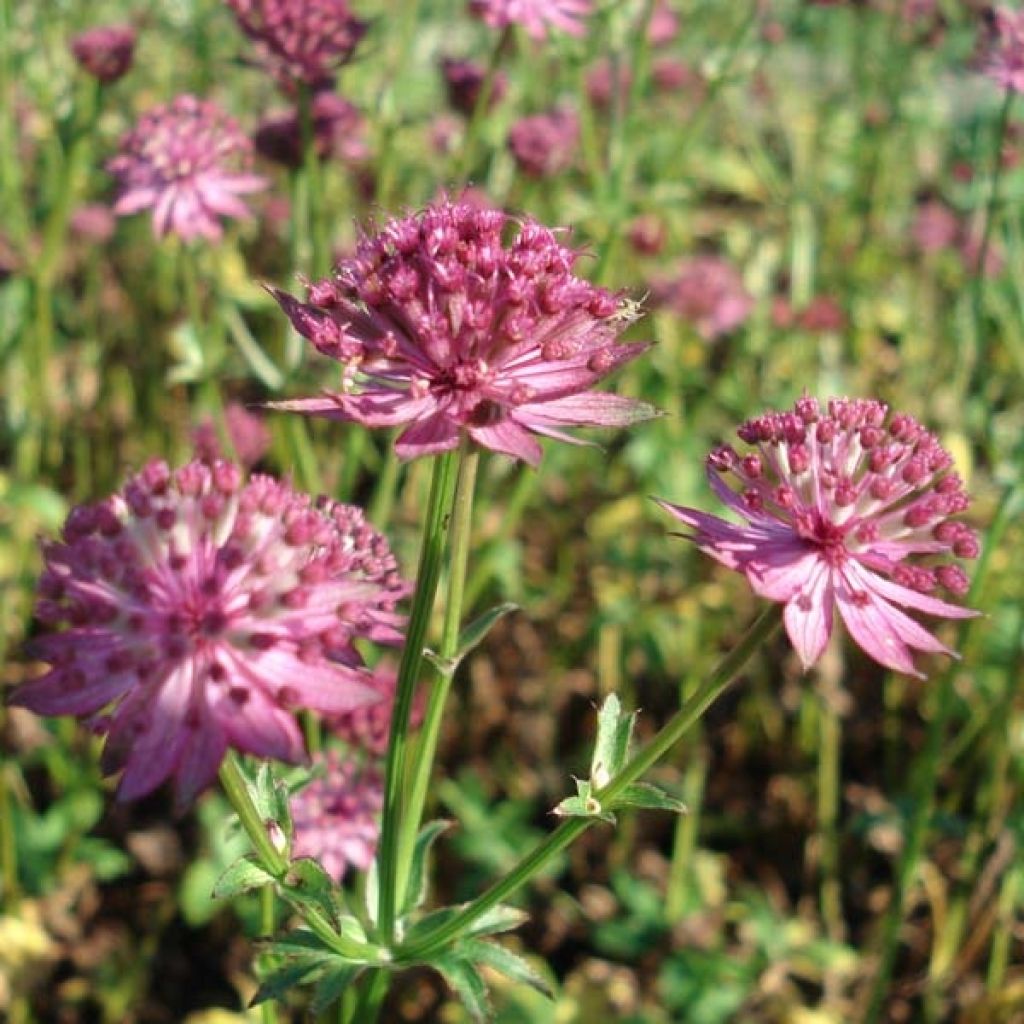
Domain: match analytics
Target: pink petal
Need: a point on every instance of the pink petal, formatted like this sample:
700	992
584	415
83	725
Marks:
199	762
592	408
50	694
509	438
135	200
867	619
782	568
914	599
437	433
808	616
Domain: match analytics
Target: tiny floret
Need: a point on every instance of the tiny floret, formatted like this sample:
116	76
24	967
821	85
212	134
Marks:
194	611
460	320
846	508
188	162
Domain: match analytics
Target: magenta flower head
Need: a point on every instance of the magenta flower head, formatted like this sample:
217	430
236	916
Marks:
337	816
536	16
202	611
187	161
1004	62
447	327
544	145
339	131
840	508
708	292
302	42
105	52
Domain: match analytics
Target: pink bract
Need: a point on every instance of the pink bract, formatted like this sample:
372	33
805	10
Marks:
188	162
536	16
203	610
840	510
446	328
1004	63
337	816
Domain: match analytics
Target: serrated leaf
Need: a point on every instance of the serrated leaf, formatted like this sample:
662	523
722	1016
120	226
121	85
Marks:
504	961
242	876
298	942
308	883
474	634
643	794
332	986
614	732
416	886
502	918
468	984
429	923
281	981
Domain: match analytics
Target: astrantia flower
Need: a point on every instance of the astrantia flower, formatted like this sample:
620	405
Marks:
206	610
301	41
709	293
186	161
1004	63
536	16
543	145
445	328
105	52
337	816
840	510
339	131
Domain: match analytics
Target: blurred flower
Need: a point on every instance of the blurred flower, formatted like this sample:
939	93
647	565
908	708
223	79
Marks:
105	52
647	234
823	313
838	506
179	162
464	80
446	327
1004	62
536	16
94	222
301	41
664	24
935	227
339	130
337	816
709	293
368	728
543	145
601	86
250	436
970	253
206	610
670	74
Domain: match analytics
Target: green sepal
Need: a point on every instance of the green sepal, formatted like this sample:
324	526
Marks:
584	804
416	886
504	961
643	794
614	732
242	876
332	986
467	983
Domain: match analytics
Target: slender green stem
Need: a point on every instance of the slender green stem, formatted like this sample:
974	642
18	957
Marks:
829	732
317	217
268	1010
371	997
687	831
438	505
8	849
426	749
677	727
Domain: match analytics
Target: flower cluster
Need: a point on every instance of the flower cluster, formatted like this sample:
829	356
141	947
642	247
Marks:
1004	62
445	328
105	52
302	42
840	507
544	145
709	293
187	161
536	16
338	131
206	610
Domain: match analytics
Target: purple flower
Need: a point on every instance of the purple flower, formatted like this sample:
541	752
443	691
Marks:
337	816
187	161
205	610
105	52
935	226
709	293
536	16
249	435
838	508
543	145
94	222
338	131
1004	62
301	41
464	81
447	327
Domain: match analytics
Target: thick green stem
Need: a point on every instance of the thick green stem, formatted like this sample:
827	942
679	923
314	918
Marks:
458	542
677	727
438	505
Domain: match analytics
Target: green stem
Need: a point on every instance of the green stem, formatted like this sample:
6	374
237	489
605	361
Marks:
687	831
479	115
371	998
441	491
268	1010
8	849
829	732
316	215
459	541
677	727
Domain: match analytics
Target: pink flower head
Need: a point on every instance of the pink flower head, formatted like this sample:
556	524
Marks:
338	131
249	435
205	610
105	52
301	41
337	816
187	161
536	16
935	227
369	727
709	293
544	145
837	508
464	81
447	328
1004	63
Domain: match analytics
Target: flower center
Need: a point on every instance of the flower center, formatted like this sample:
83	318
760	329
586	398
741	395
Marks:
829	537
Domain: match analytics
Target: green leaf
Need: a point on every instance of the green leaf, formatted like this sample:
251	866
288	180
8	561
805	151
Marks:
474	634
332	986
643	794
306	883
504	961
429	923
416	886
501	918
285	979
583	805
299	943
372	894
243	876
614	732
468	984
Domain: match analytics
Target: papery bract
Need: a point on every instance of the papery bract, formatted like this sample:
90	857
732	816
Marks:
842	509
